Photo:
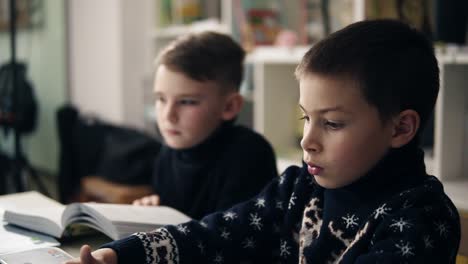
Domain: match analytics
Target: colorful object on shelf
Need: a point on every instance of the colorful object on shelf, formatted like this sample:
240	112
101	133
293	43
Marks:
264	24
186	11
165	12
286	38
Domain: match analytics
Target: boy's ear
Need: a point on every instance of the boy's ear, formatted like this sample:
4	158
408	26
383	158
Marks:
232	106
405	128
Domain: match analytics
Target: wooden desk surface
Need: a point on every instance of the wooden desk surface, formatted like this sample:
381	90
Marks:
464	233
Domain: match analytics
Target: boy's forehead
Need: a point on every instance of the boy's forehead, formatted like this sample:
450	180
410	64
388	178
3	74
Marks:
167	80
341	83
343	78
186	89
319	93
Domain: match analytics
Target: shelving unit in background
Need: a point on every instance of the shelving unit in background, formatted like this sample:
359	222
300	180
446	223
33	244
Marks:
451	118
450	159
213	15
275	96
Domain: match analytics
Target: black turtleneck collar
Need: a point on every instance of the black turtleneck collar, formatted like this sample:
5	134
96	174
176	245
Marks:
212	175
399	170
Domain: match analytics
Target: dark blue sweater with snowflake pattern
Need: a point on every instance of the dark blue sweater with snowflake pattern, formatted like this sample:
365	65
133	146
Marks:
394	214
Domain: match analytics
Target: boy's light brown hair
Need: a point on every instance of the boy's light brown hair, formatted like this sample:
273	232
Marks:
206	56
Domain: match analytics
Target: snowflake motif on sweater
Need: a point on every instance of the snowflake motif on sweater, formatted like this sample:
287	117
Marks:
249	242
229	216
400	224
256	222
350	221
245	233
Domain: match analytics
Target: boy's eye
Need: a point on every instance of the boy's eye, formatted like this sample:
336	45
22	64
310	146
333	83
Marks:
159	99
333	125
304	117
188	102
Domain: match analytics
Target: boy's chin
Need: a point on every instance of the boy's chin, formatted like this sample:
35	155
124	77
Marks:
326	183
179	145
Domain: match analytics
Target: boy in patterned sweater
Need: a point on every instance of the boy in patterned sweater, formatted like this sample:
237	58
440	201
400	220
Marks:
362	194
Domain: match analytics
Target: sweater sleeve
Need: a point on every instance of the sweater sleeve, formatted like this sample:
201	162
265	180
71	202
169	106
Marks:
424	233
249	231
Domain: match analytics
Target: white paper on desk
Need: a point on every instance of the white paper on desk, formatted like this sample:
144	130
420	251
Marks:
17	239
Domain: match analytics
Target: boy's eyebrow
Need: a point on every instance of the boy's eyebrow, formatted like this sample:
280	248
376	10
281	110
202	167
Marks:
156	93
328	109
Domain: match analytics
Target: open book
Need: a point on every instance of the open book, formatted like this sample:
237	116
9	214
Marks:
42	214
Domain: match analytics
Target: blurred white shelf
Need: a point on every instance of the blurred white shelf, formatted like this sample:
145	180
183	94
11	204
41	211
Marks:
452	55
429	161
170	32
284	163
277	55
175	31
293	55
457	191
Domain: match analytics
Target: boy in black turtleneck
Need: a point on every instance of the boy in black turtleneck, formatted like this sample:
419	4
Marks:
206	163
362	194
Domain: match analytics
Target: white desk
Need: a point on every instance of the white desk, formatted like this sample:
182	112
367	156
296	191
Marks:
73	245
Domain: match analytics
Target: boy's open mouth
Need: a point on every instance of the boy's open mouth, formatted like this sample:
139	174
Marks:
314	169
172	132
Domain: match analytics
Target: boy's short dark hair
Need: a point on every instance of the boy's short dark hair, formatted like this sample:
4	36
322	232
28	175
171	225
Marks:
206	56
393	64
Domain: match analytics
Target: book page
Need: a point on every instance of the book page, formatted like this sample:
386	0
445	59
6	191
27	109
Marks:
53	214
155	215
34	211
120	220
31	199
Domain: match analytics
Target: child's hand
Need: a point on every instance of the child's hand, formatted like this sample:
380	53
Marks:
100	256
150	200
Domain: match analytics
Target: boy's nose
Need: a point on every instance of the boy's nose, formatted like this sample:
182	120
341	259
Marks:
170	113
310	141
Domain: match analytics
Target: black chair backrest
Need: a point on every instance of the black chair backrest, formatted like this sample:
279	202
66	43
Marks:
89	146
